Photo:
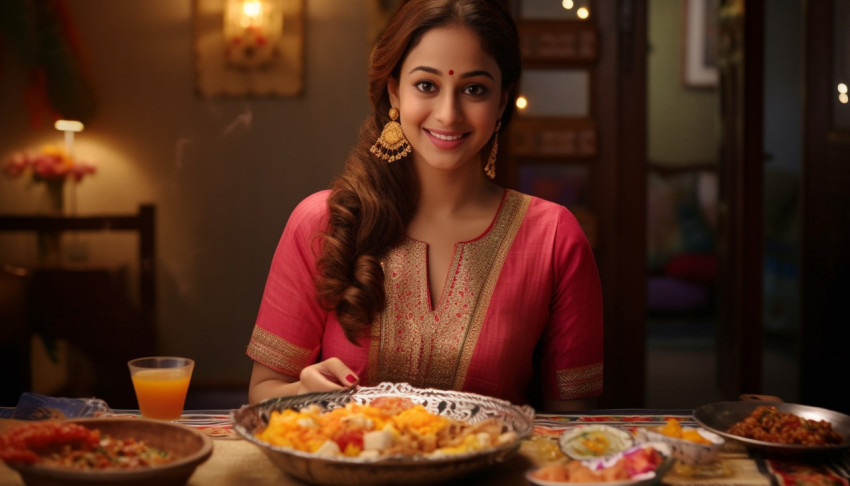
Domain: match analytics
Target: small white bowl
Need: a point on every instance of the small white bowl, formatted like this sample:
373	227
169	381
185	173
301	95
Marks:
594	441
683	450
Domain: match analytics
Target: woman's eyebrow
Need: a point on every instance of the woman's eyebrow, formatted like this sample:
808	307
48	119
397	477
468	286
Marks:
437	72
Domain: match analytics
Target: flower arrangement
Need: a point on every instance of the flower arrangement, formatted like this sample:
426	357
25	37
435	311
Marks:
51	163
52	166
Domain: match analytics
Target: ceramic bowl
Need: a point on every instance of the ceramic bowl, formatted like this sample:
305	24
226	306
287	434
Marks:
683	450
594	441
191	448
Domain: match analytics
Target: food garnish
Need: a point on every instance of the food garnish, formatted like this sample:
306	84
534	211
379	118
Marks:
673	428
74	446
594	441
386	426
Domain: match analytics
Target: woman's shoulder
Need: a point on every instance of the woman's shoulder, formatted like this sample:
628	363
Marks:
314	205
546	217
539	207
312	211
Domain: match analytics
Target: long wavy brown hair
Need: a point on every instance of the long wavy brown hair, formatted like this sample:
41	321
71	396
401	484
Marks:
372	201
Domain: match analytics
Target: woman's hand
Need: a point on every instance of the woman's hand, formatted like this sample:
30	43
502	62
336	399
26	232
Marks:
329	375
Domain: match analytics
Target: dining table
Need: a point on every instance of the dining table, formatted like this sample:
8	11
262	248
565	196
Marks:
235	460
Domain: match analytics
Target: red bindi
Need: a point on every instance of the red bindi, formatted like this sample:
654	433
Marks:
451	71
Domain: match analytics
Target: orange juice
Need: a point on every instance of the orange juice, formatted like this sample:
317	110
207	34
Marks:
161	393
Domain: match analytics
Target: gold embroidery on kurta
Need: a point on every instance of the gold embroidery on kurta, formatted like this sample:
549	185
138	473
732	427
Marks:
276	352
433	348
584	381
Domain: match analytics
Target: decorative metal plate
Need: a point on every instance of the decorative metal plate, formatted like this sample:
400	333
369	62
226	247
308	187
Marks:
456	405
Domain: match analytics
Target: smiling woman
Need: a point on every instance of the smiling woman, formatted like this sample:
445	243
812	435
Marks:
418	268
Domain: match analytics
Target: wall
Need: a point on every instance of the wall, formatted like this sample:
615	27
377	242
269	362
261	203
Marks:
682	125
224	173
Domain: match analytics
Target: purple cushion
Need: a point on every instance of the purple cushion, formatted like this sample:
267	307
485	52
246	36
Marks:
667	294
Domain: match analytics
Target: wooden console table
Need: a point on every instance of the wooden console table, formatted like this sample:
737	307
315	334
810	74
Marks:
142	223
85	306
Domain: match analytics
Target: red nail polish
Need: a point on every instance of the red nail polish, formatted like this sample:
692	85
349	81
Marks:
351	378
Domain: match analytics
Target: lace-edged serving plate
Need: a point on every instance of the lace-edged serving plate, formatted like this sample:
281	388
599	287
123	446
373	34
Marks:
396	469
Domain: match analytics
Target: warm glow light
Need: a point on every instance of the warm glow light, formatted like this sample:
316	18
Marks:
252	11
843	98
253	29
583	13
252	8
568	4
521	102
68	126
842	88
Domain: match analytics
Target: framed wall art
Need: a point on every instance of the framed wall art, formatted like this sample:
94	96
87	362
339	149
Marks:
700	43
249	47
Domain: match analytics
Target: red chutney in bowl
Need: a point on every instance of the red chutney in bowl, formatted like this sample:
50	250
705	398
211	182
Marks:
71	445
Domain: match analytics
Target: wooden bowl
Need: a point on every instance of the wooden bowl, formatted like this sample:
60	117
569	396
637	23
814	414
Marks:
191	447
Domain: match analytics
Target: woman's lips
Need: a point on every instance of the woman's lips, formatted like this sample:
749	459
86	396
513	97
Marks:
446	141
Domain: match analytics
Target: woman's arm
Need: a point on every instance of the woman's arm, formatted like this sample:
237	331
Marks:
329	375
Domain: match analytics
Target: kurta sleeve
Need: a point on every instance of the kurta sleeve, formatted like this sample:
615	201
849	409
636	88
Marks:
573	339
288	332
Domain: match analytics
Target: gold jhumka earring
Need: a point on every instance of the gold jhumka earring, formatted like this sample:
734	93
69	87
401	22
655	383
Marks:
490	168
391	145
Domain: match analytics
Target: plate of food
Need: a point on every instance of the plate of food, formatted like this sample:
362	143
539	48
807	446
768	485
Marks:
104	451
777	427
641	464
392	433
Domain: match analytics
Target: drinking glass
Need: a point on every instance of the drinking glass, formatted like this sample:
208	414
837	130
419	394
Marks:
161	383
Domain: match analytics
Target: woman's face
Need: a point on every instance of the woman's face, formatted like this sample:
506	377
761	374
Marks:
449	97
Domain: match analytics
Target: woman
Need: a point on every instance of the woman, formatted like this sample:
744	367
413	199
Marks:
414	267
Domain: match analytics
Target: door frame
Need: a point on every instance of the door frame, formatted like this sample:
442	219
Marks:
740	235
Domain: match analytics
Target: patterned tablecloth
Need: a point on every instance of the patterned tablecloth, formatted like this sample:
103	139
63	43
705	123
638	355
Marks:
236	461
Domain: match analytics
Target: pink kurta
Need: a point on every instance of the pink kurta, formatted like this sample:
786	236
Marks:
529	279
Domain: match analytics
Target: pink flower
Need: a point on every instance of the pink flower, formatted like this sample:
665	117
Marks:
16	165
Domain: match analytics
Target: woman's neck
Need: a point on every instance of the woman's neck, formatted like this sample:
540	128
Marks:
451	194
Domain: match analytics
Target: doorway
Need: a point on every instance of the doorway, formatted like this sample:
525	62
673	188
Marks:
688	329
683	99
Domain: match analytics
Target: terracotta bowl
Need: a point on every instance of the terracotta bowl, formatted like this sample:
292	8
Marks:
190	446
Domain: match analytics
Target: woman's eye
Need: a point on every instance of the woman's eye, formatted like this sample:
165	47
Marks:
426	86
475	90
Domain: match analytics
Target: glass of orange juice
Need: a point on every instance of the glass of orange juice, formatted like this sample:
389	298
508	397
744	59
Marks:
161	383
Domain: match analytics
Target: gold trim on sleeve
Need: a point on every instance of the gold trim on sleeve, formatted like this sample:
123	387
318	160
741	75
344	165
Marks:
277	353
585	381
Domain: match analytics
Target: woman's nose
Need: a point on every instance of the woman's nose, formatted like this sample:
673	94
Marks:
449	110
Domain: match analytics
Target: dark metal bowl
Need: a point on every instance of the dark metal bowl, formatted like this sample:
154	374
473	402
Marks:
718	417
406	470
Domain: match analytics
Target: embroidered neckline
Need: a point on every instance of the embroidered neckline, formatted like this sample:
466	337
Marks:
433	347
